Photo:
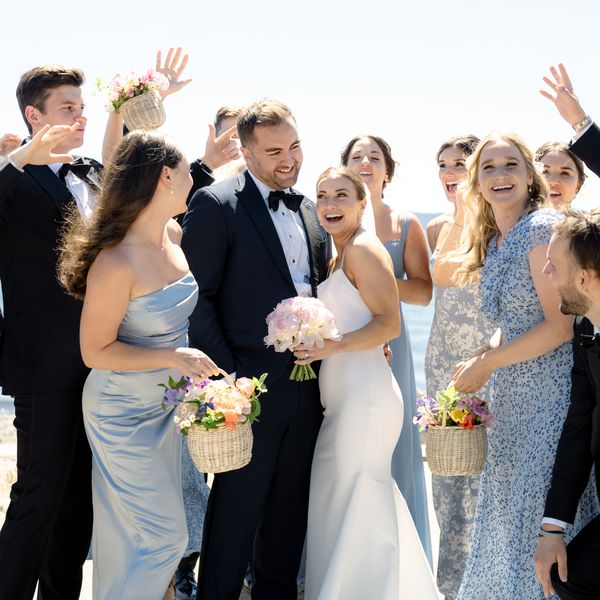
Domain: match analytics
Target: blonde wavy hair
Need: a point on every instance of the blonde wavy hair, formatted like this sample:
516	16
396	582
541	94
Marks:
481	226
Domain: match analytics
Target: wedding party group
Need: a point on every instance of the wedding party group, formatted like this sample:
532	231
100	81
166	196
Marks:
134	284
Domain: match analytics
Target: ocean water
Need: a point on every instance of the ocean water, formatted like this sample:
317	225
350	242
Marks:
417	321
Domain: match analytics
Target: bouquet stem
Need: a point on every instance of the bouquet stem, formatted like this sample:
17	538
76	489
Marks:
302	373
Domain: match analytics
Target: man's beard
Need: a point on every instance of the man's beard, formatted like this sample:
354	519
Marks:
572	302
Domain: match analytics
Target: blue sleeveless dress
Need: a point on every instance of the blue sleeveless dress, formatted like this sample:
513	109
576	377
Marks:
407	460
140	531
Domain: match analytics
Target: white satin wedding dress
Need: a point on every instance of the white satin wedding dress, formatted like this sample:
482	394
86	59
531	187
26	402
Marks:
361	541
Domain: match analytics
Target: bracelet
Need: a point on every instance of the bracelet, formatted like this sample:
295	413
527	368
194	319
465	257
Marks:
551	534
583	123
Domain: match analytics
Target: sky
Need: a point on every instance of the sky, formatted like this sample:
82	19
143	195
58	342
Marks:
413	72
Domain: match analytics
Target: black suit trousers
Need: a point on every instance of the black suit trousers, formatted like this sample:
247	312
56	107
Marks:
583	560
260	512
46	535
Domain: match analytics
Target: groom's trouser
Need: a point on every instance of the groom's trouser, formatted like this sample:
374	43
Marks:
48	525
260	511
583	564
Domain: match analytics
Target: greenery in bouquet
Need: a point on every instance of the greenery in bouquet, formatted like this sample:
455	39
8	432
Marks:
129	85
213	403
450	408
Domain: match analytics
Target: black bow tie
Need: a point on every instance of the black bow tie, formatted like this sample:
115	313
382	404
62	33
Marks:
80	167
292	201
588	341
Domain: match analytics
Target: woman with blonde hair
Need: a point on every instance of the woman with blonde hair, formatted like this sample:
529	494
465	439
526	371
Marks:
529	357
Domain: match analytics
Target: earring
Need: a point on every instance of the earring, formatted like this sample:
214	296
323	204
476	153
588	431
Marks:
530	189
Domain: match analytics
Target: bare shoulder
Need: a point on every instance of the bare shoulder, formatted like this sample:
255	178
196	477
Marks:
113	266
438	221
174	231
366	251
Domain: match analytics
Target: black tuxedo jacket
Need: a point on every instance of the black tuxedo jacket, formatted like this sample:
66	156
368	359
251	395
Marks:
235	254
579	445
587	148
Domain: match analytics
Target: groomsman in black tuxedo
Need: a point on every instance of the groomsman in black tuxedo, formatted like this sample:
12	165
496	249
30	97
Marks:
46	535
252	241
586	141
573	267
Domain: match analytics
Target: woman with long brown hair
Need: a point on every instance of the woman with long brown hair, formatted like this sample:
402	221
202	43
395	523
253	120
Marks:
127	266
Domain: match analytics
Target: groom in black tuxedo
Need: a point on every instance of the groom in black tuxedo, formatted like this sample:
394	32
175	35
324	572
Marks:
574	270
251	241
46	534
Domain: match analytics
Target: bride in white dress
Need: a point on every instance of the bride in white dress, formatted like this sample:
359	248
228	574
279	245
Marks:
361	541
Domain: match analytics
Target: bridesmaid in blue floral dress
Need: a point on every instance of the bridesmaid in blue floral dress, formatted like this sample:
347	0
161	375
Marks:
458	330
531	368
138	293
404	238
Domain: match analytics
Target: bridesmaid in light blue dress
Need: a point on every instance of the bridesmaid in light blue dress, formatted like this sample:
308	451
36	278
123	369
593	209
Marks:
138	293
404	238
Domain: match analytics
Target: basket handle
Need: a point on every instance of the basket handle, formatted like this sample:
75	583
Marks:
227	378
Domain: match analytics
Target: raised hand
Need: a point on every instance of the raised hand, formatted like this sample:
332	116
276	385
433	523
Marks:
563	98
39	150
172	69
8	143
222	149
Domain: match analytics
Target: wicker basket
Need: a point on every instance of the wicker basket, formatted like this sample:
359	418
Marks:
222	449
455	450
143	112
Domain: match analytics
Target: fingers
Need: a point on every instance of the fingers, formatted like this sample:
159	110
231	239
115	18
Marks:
226	136
211	133
61	158
551	83
158	60
548	95
561	560
565	77
556	75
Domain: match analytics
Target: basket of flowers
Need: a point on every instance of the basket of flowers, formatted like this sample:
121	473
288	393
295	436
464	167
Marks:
456	437
137	98
216	417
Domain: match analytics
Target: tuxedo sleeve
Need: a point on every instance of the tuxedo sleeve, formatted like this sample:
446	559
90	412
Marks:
9	178
587	148
206	243
201	175
574	460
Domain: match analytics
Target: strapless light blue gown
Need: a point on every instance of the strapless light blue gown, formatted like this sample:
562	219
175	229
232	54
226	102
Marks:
140	529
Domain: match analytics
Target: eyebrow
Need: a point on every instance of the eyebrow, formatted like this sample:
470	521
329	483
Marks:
489	160
281	147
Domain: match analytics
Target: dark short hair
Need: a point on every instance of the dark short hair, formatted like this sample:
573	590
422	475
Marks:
262	113
225	112
562	147
35	85
583	233
386	150
465	143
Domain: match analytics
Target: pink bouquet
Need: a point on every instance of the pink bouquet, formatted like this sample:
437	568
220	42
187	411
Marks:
129	85
297	321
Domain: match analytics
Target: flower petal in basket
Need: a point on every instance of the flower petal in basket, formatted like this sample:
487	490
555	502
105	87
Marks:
221	449
454	451
145	111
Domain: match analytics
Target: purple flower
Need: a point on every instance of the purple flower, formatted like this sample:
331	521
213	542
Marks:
172	397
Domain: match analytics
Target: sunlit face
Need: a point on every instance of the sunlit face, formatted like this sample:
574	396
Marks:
274	155
503	178
338	206
367	160
561	175
452	170
560	269
64	106
181	184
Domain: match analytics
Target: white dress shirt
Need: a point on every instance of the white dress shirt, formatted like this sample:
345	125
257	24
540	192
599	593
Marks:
84	196
550	520
292	236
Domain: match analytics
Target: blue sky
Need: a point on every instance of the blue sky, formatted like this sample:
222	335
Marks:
414	73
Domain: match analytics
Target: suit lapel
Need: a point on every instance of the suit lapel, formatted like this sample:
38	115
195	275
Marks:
311	227
252	201
51	184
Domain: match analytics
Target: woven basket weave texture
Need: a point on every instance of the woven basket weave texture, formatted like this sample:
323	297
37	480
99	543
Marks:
454	451
144	112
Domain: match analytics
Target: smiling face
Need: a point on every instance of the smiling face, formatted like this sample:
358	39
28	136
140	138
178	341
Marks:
274	154
503	178
561	269
366	159
338	205
63	106
562	177
452	170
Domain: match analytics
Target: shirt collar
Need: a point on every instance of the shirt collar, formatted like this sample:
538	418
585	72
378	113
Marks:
263	188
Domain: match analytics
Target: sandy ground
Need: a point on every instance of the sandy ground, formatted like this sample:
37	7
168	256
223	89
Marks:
8	476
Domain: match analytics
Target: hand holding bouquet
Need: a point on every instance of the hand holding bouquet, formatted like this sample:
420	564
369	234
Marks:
300	321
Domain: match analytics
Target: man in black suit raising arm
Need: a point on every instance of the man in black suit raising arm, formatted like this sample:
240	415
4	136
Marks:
573	268
250	244
586	142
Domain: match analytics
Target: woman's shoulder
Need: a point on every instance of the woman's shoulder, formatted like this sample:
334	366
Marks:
535	229
114	262
365	249
174	231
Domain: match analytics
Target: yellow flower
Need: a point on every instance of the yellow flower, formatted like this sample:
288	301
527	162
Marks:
457	414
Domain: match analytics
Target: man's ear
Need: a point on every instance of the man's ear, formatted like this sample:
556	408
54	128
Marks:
32	114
